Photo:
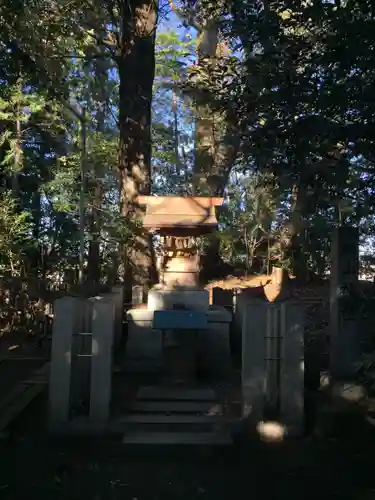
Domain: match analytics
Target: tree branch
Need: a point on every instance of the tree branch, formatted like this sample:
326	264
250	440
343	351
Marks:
188	18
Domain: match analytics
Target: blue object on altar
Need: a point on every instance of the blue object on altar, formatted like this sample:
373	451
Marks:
179	320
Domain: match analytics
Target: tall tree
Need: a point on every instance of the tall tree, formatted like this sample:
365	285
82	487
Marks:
136	64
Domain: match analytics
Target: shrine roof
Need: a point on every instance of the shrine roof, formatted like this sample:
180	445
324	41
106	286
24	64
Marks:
179	212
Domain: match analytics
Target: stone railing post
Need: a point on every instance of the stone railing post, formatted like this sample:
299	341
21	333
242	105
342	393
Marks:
292	365
67	322
254	373
273	364
103	325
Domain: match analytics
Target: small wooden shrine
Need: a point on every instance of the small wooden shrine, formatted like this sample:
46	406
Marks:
179	221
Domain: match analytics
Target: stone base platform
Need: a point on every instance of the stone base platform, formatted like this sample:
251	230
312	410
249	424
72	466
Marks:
144	344
194	298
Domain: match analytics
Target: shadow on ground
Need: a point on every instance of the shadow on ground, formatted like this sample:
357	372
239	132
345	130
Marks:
32	465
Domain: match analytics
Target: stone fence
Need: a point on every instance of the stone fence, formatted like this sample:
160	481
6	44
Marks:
273	364
86	333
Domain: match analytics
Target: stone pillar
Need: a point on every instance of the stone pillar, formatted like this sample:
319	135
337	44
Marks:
292	413
344	334
254	374
101	361
180	356
67	322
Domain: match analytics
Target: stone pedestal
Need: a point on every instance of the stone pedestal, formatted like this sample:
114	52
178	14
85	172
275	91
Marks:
144	345
180	357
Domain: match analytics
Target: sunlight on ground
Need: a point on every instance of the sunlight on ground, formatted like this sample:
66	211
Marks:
271	432
13	347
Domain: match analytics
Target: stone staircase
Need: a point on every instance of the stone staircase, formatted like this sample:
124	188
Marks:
173	416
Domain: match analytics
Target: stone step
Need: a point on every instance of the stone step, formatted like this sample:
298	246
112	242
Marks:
149	418
82	426
177	394
12	395
21	358
36	380
18	393
171	438
176	407
19	403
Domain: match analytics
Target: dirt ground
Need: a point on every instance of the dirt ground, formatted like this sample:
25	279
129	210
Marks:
31	465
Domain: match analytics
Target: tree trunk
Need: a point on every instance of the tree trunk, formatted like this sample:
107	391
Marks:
216	147
136	63
205	141
93	258
35	261
293	244
212	265
181	188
